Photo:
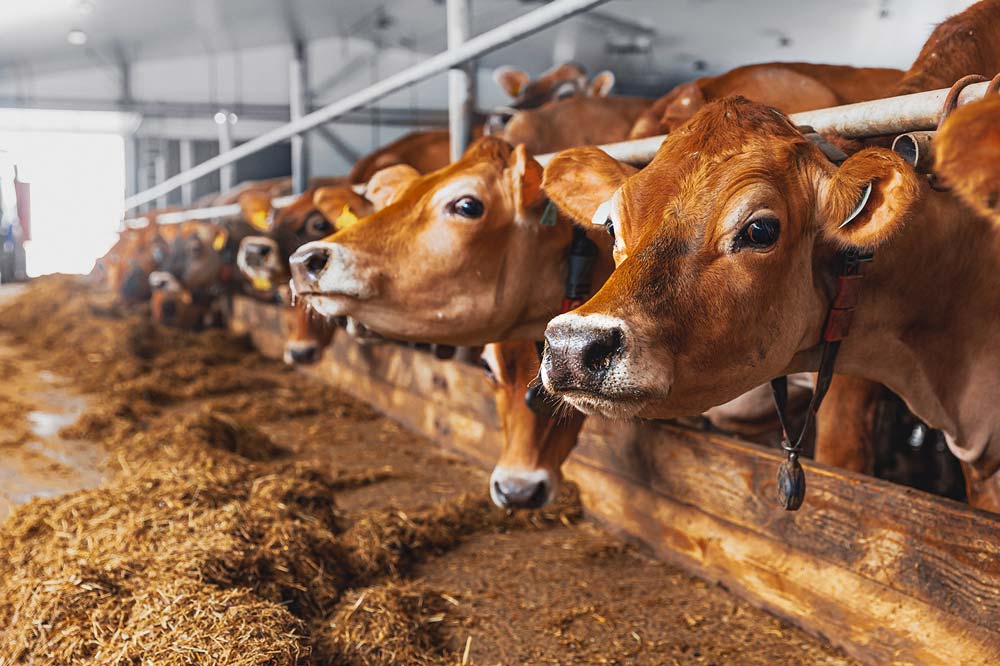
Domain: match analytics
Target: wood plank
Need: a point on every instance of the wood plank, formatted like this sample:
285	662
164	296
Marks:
935	550
867	619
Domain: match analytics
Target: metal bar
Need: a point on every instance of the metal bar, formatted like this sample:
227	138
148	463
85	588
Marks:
227	172
160	170
522	26
187	161
881	117
297	108
461	81
271	112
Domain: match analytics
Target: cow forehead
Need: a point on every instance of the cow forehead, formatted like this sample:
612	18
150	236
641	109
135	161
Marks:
689	186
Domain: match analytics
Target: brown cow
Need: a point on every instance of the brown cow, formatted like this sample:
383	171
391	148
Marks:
727	243
399	270
967	43
967	155
559	82
536	440
580	120
789	86
428	151
263	259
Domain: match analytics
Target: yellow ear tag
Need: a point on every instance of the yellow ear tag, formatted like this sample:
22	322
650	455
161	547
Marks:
261	284
220	240
345	219
259	220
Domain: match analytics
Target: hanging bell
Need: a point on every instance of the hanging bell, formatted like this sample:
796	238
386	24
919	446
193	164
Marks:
791	483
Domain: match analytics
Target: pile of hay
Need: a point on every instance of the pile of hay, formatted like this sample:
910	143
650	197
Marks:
211	544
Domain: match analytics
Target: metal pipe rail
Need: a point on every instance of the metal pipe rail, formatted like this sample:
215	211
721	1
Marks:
532	22
883	117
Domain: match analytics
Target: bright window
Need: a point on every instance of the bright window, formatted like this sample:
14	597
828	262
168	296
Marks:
77	185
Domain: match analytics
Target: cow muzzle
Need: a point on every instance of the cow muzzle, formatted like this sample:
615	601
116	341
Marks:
258	260
586	363
164	282
301	352
330	276
522	489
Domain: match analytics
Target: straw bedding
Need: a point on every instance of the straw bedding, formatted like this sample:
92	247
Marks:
211	543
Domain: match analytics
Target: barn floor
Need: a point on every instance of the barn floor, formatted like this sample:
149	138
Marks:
538	589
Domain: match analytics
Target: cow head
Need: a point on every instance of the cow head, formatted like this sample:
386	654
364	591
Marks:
537	439
726	247
587	118
560	82
138	252
263	258
459	256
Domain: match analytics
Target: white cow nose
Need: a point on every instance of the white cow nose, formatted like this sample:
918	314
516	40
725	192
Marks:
516	489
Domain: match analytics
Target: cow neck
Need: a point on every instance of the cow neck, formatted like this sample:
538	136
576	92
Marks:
927	325
549	294
849	267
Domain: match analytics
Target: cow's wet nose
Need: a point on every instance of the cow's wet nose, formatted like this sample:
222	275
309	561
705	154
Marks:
261	250
169	310
301	355
308	264
580	351
519	492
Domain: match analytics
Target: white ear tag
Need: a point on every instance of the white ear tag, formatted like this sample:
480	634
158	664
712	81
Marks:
602	214
865	196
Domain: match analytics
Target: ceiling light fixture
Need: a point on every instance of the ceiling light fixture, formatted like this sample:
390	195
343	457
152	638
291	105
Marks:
76	37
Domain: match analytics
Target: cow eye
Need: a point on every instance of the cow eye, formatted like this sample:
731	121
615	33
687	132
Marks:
760	233
469	207
610	226
486	368
317	224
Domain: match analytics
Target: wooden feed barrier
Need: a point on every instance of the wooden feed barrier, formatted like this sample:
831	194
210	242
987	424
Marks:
889	574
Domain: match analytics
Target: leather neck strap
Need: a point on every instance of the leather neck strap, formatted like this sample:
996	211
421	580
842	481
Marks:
791	478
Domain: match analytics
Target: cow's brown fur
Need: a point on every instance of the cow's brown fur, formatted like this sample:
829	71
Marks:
789	86
967	155
580	120
532	441
967	43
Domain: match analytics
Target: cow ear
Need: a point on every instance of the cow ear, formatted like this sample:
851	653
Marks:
340	205
601	85
688	100
385	185
526	178
579	180
868	199
511	79
255	207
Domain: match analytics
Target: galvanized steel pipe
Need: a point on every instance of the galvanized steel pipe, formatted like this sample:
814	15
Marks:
513	30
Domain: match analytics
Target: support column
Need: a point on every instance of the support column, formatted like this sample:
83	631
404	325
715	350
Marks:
160	169
297	106
461	80
187	161
227	174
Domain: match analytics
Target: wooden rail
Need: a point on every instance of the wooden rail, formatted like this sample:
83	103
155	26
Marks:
889	574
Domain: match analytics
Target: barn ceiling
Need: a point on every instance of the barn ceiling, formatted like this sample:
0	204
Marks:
647	42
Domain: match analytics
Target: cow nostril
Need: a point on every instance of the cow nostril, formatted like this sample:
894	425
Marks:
264	250
538	497
600	353
316	261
